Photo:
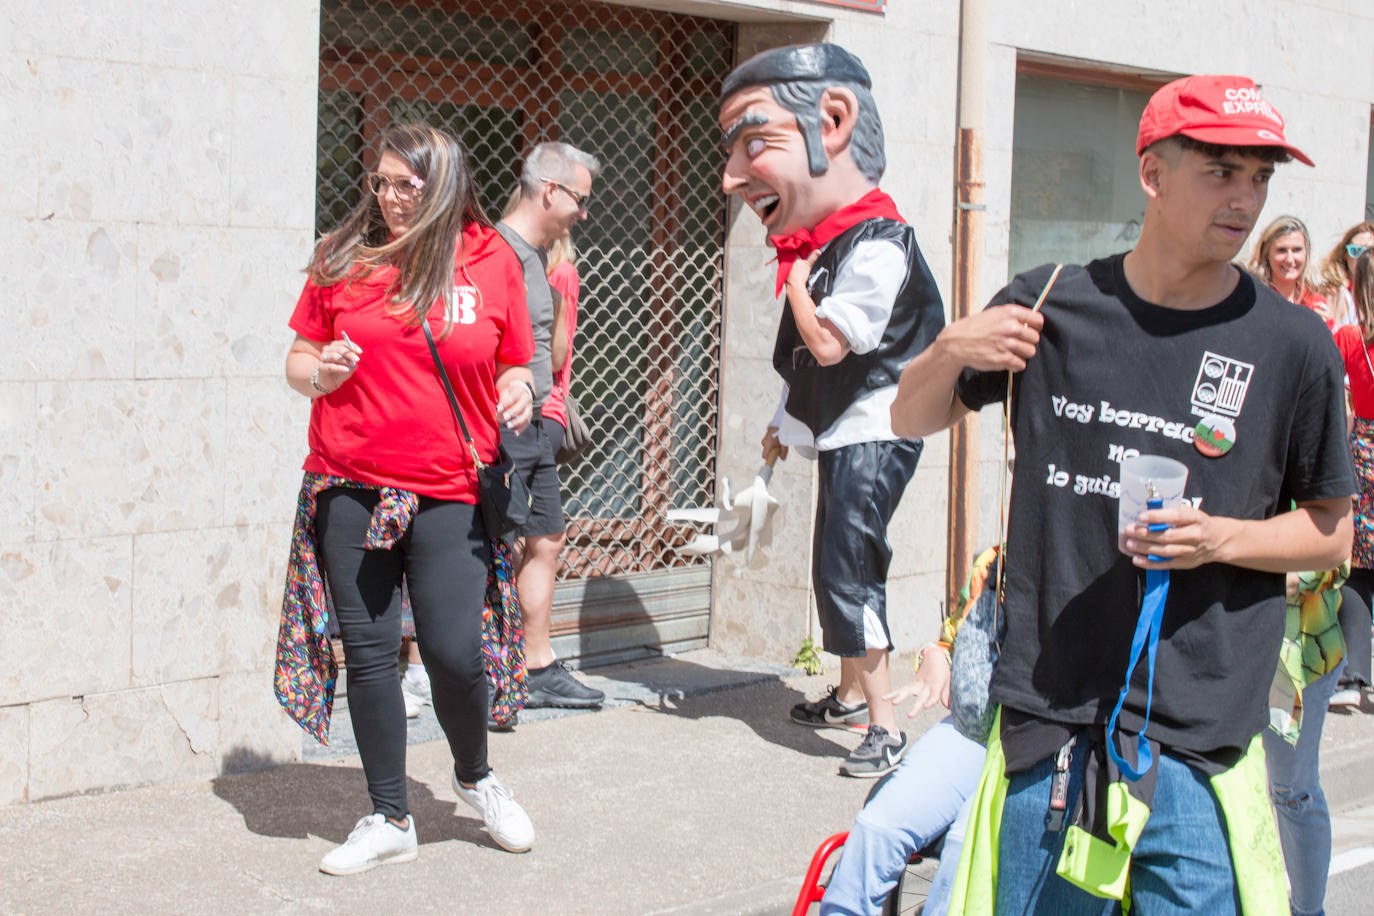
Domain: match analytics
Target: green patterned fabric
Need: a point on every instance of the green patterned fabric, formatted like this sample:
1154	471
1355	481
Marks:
1312	646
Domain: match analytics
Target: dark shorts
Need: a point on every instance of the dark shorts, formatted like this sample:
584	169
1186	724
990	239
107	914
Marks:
860	487
533	451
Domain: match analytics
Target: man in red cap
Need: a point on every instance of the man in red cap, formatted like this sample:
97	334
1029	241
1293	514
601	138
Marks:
1149	784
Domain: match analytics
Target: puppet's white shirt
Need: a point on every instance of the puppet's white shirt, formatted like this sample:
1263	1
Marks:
859	306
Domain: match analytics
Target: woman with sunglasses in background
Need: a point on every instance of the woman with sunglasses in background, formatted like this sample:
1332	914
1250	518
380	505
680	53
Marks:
1281	260
1338	270
1355	343
392	485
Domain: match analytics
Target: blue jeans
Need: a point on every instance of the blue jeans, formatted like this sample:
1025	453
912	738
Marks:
1181	864
1296	790
908	809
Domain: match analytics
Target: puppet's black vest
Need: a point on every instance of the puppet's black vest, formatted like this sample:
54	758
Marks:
817	394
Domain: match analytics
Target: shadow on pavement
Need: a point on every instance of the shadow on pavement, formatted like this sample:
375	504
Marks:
298	800
678	686
768	719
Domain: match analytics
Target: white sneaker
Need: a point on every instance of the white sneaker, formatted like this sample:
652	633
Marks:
416	693
506	821
1348	696
374	841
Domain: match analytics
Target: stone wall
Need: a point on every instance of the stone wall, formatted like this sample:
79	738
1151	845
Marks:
157	211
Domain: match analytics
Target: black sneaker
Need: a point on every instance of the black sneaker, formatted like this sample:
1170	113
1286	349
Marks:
878	754
829	712
555	686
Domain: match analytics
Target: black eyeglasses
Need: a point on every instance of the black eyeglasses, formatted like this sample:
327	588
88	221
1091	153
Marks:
1354	251
578	198
407	189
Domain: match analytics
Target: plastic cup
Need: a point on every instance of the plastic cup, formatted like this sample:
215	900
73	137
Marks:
1145	478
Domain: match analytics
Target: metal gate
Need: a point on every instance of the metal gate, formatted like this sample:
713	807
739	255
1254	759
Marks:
638	89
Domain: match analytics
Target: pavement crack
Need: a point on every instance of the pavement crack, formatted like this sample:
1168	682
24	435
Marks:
262	883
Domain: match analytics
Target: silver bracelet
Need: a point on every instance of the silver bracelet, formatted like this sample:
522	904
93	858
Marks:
530	386
315	381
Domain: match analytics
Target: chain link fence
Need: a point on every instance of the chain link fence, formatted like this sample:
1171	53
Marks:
638	89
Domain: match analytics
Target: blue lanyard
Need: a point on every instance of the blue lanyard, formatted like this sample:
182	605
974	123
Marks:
1146	638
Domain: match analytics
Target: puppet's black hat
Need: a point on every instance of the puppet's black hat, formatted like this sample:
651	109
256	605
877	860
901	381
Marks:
796	62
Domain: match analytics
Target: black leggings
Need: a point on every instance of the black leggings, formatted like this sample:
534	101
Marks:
1354	619
443	557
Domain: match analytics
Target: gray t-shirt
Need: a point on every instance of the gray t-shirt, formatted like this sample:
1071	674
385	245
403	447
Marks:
539	300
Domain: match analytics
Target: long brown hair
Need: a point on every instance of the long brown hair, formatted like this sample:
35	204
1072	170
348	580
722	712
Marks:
1363	290
1334	276
1259	264
425	253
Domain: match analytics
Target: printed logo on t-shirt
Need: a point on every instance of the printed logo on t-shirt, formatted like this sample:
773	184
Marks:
1221	385
464	304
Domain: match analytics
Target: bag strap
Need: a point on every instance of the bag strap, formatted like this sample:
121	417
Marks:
1006	467
452	399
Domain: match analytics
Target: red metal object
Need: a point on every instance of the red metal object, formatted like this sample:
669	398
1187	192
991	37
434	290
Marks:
811	889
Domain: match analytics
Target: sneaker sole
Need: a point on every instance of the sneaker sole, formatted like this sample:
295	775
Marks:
547	702
410	855
844	725
873	775
497	840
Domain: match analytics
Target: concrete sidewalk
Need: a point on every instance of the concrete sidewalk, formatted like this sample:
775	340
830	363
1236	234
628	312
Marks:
692	793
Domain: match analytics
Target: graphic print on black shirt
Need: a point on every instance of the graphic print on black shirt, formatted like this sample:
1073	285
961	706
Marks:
1115	376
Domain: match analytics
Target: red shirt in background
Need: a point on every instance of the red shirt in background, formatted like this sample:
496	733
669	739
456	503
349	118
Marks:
390	424
1357	359
1317	304
564	279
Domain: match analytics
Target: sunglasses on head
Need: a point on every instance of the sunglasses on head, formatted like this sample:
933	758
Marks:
1354	251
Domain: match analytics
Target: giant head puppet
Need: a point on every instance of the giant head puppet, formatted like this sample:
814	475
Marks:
801	134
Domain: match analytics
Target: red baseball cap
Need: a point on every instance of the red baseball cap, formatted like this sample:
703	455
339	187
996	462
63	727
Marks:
1225	110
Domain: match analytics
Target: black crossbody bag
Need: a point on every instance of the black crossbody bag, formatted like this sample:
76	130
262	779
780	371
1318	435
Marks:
502	495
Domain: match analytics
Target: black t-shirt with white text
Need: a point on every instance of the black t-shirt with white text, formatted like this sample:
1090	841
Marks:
1115	375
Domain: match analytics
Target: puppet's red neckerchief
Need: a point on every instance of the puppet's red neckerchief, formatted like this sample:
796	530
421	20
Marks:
803	242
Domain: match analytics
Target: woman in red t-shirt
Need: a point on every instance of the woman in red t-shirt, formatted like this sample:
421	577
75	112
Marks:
1281	260
1338	271
1355	343
391	484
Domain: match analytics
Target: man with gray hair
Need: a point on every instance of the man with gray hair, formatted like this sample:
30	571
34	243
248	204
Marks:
555	185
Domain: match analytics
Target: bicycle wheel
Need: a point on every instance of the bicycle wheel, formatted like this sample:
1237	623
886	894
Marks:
913	885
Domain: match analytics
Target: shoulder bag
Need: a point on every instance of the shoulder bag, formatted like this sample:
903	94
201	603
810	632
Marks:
503	638
502	495
576	436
